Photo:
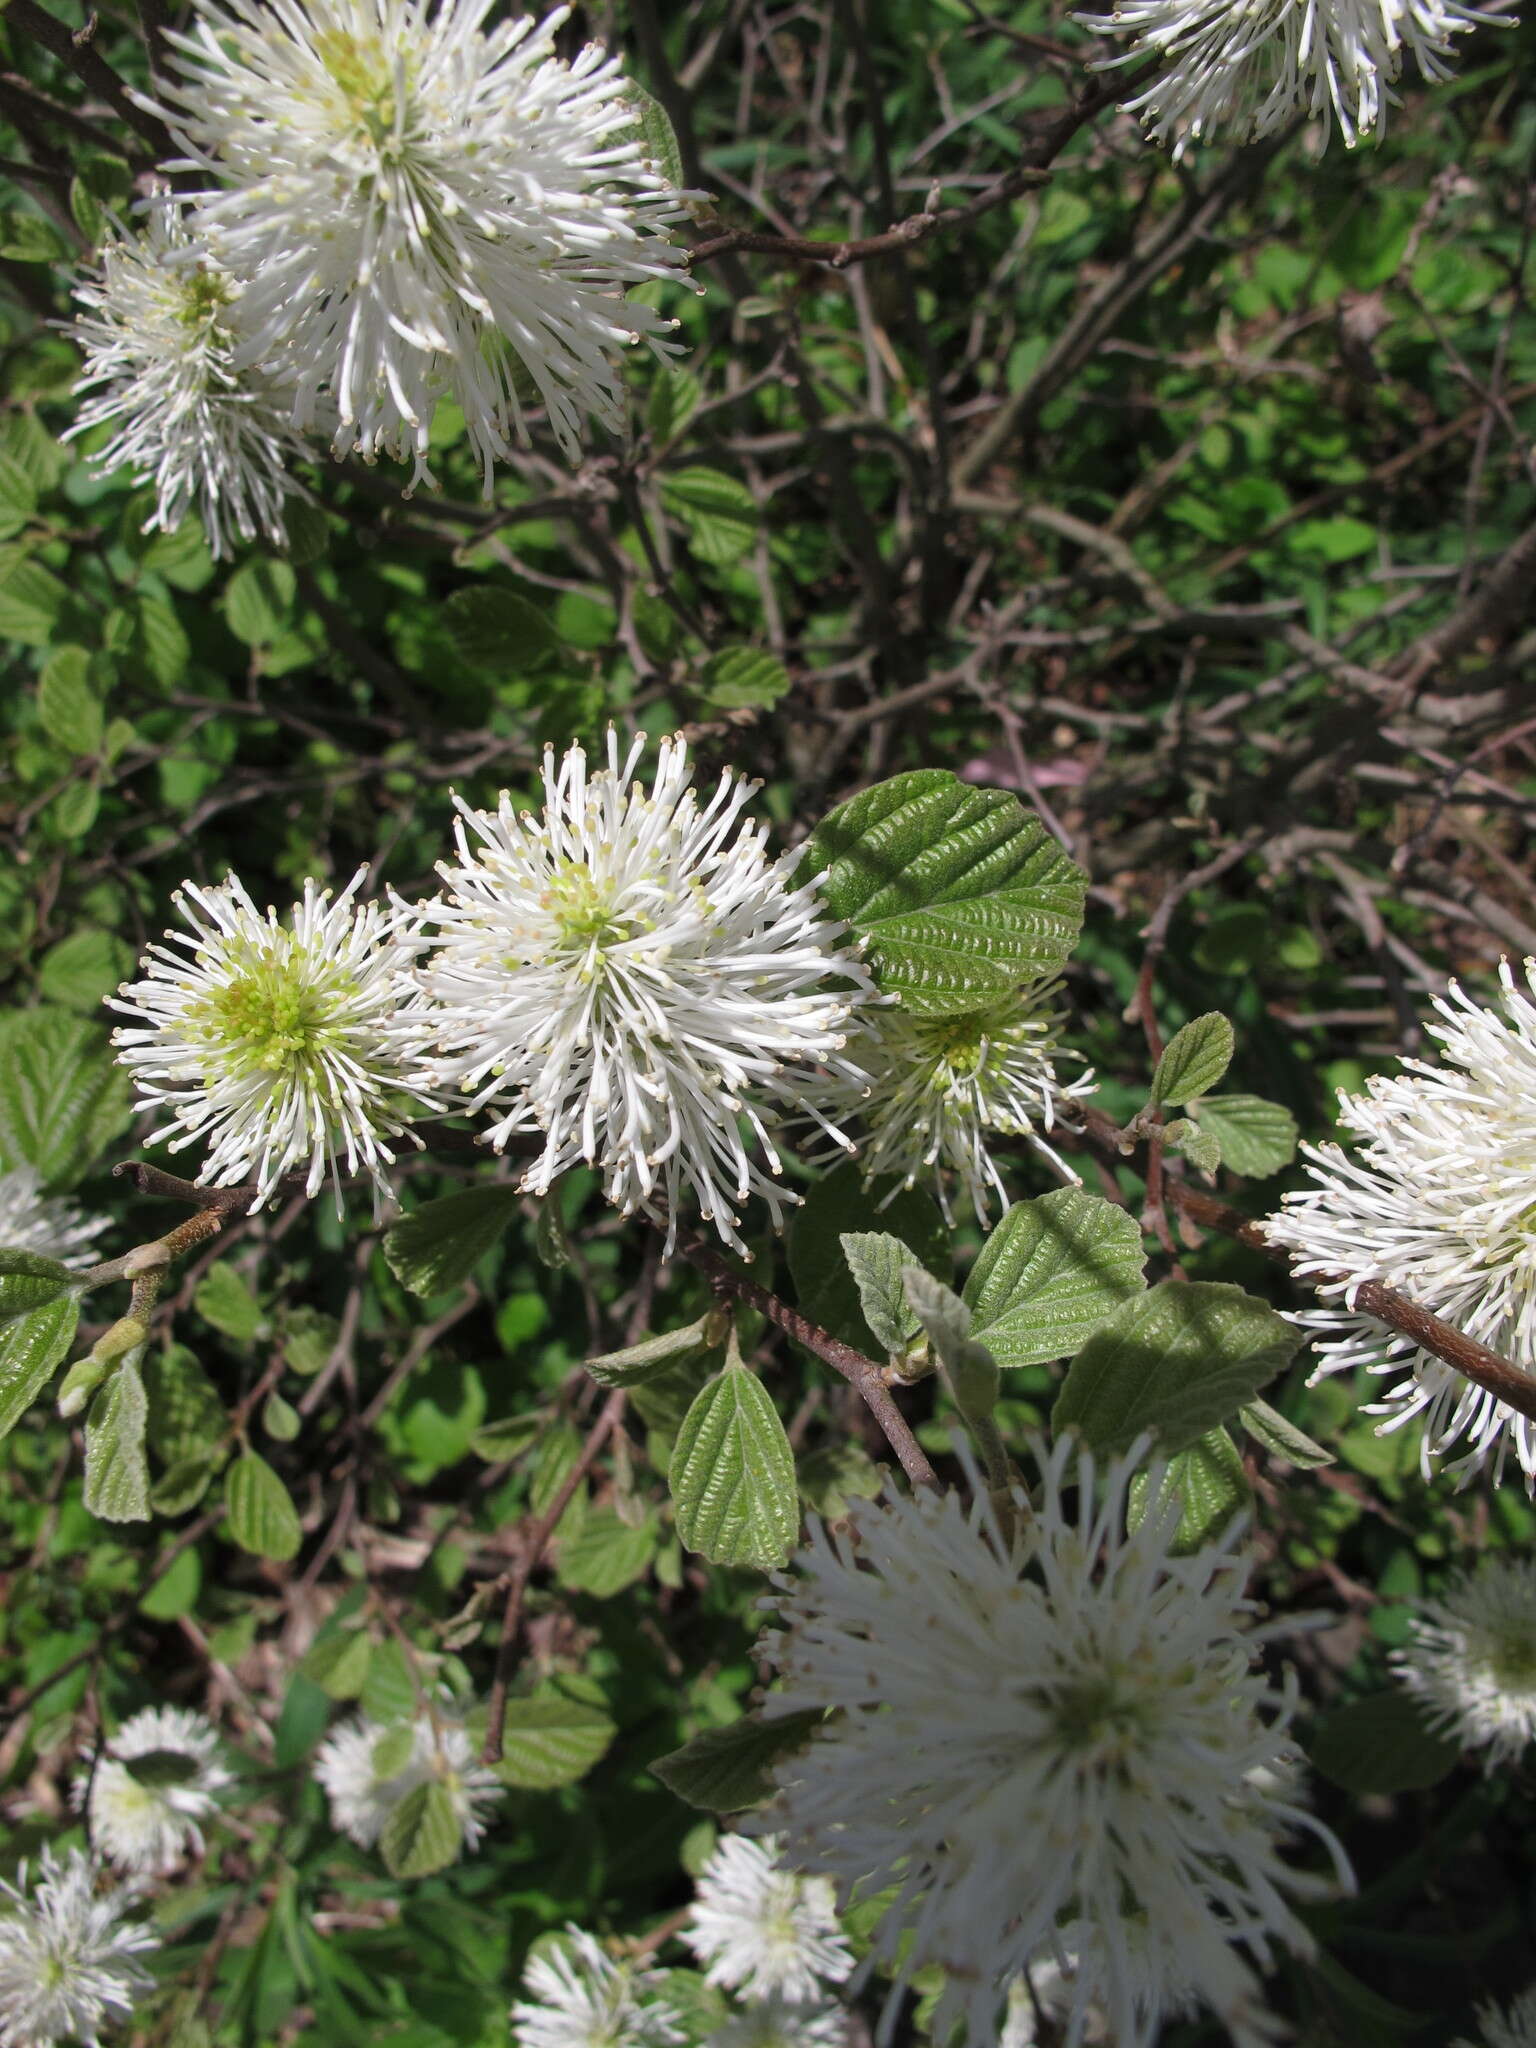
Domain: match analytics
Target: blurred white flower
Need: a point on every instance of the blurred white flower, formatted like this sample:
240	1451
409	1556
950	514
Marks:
1512	2026
367	1767
31	1221
1438	1203
69	1962
931	1089
282	1044
421	208
1062	1728
634	974
1248	70
1471	1658
145	1819
159	331
782	2023
579	1997
764	1930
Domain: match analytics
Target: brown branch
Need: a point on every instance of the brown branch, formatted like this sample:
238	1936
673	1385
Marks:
77	53
860	1372
538	1541
918	227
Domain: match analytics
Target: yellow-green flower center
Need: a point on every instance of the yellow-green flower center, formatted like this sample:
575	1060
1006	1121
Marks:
361	70
273	1018
584	911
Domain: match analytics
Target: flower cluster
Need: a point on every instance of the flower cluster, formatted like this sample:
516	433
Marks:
151	1785
1054	1751
69	1956
1510	2026
368	1768
401	208
1246	72
627	979
1437	1202
1471	1658
578	1996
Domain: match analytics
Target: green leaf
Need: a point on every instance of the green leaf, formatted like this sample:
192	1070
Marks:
835	1475
507	1438
1381	1744
223	1299
175	1592
182	1485
159	646
653	1355
656	135
18	497
29	1281
1256	1137
726	1770
1194	1059
744	676
423	1833
62	1097
392	1751
439	1245
733	1475
606	1554
262	1518
1050	1273
1279	1434
825	1289
159	1768
73	811
551	1741
497	629
960	892
339	1663
28	238
390	1691
258	601
81	970
67	706
944	1317
186	1416
1176	1361
1199	1147
876	1261
32	600
718	510
116	1466
280	1419
32	1347
673	401
1211	1484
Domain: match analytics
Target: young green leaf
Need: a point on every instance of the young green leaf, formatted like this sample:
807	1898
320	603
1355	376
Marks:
960	892
1256	1137
1200	1148
726	1770
944	1317
876	1260
32	1347
423	1833
116	1466
653	1355
67	707
737	676
1176	1361
825	1289
262	1517
439	1245
186	1416
551	1741
1194	1059
339	1662
732	1475
1050	1273
497	628
223	1299
606	1554
1279	1434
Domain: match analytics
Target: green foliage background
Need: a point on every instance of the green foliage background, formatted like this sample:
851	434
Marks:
1133	495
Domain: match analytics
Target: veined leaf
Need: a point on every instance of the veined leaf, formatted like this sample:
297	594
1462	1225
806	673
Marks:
1050	1273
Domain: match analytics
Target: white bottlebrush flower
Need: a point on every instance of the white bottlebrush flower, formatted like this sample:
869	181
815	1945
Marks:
422	207
69	1961
1471	1658
782	2023
1059	1734
158	328
931	1089
145	1821
1510	2026
579	1997
762	1929
1437	1202
1247	70
635	975
283	1045
31	1221
367	1767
